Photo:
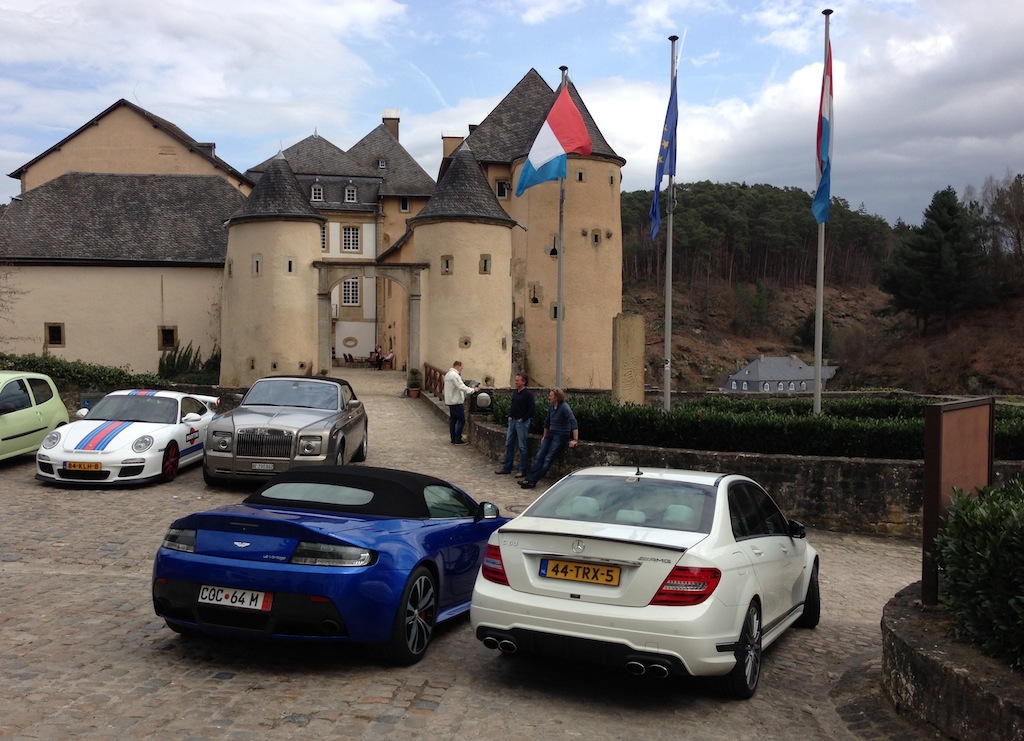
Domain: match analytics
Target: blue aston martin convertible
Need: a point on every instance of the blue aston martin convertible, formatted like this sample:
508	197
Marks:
353	553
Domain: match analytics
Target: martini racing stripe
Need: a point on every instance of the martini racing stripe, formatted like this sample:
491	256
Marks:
101	437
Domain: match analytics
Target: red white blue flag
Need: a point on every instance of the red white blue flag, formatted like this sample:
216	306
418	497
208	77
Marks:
823	158
563	132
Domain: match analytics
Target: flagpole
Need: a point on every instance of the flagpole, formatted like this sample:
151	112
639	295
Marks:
819	294
667	381
561	252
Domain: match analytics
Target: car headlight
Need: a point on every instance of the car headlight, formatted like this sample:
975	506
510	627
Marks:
310	444
221	441
180	539
143	444
51	440
324	554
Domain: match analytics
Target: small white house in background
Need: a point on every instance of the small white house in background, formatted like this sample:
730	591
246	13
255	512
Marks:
777	375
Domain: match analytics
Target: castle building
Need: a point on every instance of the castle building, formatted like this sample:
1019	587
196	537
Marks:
130	238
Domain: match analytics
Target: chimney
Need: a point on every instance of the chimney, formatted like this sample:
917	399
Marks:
390	119
450	141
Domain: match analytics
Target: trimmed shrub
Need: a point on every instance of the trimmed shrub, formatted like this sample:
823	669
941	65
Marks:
980	552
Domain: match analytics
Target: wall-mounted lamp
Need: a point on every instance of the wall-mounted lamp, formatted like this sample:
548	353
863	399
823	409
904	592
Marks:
608	234
554	252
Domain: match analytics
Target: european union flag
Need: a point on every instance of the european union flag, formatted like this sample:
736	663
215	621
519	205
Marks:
666	158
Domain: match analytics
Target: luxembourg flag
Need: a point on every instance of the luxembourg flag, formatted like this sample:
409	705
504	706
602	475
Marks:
563	132
823	159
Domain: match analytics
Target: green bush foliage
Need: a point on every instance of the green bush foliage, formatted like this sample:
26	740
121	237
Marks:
78	374
185	365
888	427
981	554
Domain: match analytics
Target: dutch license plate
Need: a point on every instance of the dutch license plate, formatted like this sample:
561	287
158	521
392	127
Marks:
245	599
82	466
262	466
584	572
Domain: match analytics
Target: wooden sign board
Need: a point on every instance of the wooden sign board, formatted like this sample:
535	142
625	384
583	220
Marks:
958	453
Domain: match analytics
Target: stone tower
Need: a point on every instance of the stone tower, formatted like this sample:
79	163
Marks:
269	298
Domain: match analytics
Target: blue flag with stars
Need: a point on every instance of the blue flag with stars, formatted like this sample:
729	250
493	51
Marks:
666	158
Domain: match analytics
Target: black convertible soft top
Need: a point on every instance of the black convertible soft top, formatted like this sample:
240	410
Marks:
365	490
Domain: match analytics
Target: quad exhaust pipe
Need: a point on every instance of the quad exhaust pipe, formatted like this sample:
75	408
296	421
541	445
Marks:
505	645
639	668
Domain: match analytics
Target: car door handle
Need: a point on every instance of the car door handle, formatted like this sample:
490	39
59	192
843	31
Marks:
756	551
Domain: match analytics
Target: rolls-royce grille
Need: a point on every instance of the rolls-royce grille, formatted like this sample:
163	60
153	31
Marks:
263	443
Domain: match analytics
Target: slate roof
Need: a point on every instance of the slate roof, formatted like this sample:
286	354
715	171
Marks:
403	175
781	369
100	218
508	132
277	195
204	149
463	194
314	155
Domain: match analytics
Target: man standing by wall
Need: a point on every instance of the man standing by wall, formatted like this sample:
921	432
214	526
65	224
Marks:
560	430
455	392
520	414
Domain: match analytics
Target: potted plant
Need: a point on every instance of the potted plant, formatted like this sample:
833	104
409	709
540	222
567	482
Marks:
413	382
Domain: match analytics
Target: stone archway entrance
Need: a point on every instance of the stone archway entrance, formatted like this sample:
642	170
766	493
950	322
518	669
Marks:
407	275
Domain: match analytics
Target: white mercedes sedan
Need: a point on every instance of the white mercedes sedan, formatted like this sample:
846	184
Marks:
660	571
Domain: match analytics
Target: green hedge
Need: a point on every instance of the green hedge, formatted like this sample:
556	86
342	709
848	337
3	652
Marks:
78	374
857	427
980	552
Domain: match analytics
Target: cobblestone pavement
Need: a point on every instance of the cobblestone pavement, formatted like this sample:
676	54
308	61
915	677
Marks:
83	656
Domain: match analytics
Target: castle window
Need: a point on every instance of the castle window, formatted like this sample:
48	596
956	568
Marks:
447	264
744	385
317	193
54	334
554	310
503	188
257	264
581	176
404	208
167	338
323	238
350	239
289	265
485	264
382	164
350	194
350	292
595	237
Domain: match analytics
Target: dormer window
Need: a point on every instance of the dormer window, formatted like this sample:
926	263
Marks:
382	164
317	193
350	194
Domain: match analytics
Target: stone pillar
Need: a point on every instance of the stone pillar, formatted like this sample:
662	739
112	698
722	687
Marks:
628	341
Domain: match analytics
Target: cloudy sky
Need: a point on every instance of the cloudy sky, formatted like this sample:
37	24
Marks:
928	93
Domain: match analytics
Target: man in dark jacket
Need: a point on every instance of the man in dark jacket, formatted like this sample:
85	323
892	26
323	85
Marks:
560	431
520	414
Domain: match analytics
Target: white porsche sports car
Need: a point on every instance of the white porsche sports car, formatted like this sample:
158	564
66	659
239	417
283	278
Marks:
658	571
127	437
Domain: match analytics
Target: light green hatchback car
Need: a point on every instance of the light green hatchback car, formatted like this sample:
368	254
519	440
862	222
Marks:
30	408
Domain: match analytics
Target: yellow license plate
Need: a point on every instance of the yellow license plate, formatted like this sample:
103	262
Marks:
82	466
585	572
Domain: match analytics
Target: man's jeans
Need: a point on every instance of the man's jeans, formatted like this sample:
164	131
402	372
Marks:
550	446
517	436
456	421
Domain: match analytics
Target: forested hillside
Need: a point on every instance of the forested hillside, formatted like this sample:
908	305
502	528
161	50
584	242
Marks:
927	308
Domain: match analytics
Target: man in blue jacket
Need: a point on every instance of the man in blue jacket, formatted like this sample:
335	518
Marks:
520	414
560	431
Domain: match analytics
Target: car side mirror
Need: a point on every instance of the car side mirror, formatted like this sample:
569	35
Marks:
796	529
488	511
191	418
82	413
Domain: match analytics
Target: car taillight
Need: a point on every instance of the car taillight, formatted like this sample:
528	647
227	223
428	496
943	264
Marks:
687	586
493	569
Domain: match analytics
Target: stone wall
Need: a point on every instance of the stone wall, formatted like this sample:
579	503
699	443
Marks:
857	495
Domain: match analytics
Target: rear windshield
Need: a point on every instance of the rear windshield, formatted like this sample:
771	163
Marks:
633	500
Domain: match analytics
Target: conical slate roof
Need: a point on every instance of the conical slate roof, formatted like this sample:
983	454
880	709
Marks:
463	195
508	132
277	195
